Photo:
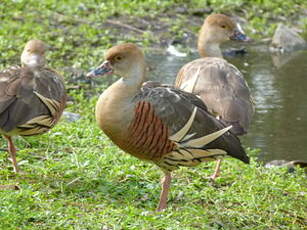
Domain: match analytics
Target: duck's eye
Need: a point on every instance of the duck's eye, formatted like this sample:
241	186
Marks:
118	58
223	26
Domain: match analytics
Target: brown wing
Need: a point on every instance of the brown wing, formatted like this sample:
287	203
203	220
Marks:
30	103
169	122
222	88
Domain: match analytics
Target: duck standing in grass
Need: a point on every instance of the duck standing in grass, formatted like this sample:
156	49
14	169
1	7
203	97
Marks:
32	97
163	125
219	84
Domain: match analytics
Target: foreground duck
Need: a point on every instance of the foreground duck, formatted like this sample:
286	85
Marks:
219	84
32	97
166	126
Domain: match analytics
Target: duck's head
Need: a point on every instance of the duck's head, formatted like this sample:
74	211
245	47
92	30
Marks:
219	28
123	60
33	55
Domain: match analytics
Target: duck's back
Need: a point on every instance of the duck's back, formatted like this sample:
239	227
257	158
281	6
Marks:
30	102
222	88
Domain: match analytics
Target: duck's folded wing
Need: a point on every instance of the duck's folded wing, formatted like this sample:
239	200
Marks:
26	106
222	88
184	120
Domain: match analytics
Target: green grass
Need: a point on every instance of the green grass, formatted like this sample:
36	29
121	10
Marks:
77	31
74	178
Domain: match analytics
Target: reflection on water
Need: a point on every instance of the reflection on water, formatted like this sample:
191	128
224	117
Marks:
279	88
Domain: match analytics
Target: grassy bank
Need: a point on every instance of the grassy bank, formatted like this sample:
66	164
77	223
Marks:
78	31
75	178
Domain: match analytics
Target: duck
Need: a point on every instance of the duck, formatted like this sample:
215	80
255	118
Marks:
32	97
219	84
159	124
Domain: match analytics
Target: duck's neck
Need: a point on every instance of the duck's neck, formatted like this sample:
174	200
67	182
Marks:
207	47
134	78
123	90
34	69
115	108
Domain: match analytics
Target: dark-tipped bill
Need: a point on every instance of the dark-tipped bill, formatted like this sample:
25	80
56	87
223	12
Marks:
104	68
239	36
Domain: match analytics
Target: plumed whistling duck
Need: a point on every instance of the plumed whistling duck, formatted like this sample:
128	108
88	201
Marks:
32	97
163	125
219	84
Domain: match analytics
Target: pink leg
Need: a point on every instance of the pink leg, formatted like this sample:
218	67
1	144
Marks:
217	170
12	151
166	181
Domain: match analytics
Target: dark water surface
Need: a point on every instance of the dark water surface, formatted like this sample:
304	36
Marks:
279	88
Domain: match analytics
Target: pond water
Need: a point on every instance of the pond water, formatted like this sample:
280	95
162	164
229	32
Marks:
279	87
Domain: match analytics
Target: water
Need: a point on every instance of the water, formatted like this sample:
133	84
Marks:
279	88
